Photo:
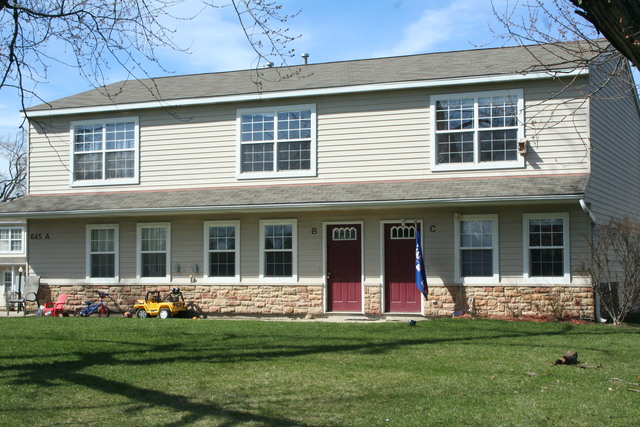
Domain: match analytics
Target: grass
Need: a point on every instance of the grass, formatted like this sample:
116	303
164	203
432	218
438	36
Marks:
83	371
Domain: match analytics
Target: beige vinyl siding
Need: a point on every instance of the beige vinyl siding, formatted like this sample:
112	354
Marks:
61	258
614	187
371	136
361	137
49	144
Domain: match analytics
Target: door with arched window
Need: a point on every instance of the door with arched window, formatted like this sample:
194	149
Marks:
401	293
344	268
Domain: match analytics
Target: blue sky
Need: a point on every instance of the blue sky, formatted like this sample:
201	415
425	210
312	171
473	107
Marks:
330	30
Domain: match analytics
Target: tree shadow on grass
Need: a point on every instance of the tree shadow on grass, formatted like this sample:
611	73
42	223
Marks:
230	348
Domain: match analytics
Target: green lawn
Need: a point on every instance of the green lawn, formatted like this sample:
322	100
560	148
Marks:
79	371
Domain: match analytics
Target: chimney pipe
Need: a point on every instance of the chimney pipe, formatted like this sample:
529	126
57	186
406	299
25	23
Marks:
305	56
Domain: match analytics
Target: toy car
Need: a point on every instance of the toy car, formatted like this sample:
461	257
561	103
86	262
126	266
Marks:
172	305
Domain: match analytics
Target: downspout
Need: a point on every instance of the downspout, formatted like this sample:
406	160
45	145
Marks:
587	210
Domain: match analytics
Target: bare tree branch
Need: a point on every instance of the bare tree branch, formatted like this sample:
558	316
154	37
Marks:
618	21
613	268
13	180
125	34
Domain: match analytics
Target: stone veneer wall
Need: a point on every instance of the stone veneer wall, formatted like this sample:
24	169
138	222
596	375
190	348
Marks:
554	302
501	301
264	300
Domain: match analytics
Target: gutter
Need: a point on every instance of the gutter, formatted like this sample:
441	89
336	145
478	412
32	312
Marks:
597	303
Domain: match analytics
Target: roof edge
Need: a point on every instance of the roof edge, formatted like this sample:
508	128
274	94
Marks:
261	96
296	206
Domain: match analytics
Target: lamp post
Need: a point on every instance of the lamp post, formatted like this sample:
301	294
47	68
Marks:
20	271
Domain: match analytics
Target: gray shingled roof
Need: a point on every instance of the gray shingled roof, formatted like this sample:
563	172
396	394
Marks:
434	66
308	196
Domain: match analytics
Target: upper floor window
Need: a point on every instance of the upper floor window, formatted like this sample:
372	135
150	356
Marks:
546	248
11	240
277	142
105	152
477	130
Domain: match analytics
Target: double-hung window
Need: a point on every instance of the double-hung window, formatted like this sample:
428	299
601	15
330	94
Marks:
222	250
278	251
12	240
476	257
477	130
102	252
546	248
277	142
154	251
105	152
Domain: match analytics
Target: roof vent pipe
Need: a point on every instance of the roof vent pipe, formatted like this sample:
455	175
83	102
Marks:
305	56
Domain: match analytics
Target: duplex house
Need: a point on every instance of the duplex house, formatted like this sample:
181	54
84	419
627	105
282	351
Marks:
299	190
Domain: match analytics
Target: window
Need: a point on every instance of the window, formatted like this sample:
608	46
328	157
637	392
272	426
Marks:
105	152
546	243
278	249
102	253
402	232
154	256
277	142
477	130
477	249
345	233
7	279
222	246
12	240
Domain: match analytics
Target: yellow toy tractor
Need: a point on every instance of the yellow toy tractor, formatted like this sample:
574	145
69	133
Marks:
172	305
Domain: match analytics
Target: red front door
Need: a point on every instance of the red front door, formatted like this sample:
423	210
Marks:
401	293
344	268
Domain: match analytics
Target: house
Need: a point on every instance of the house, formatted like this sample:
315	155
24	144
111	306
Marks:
297	191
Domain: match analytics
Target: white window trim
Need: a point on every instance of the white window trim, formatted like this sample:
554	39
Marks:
116	249
495	239
313	170
566	260
101	182
294	250
140	226
476	164
228	279
23	235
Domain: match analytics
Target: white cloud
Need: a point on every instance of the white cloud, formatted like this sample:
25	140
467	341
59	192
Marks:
455	26
10	120
214	39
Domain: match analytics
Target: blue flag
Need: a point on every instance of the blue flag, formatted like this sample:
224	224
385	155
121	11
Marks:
421	274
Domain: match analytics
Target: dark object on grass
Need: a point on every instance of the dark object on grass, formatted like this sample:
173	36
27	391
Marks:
571	358
412	323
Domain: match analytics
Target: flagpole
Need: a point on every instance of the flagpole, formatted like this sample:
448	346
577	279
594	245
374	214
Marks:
421	273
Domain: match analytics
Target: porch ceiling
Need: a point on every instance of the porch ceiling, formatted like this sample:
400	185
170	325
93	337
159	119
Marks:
304	196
